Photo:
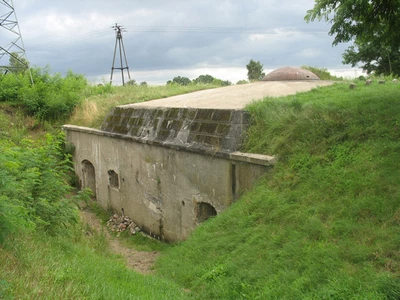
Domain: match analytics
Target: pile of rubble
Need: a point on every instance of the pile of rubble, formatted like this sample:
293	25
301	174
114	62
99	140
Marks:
122	223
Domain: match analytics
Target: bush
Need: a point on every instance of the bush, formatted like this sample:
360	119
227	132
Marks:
242	82
51	97
33	186
9	87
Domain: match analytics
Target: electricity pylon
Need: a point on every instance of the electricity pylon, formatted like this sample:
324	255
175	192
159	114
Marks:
14	49
120	43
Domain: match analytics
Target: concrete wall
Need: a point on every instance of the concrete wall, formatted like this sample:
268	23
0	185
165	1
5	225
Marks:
166	190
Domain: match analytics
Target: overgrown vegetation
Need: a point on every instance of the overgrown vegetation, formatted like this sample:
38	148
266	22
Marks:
33	187
51	97
322	73
324	223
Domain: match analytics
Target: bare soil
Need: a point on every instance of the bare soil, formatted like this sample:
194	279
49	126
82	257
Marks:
139	261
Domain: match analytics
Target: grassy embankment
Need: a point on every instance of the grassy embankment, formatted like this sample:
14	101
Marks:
323	224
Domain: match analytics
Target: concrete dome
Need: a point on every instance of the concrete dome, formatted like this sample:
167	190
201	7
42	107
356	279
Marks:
290	73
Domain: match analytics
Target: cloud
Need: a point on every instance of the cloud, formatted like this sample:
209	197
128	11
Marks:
178	37
309	53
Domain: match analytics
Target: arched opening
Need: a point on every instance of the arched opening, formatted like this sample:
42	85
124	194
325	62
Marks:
204	211
88	176
113	179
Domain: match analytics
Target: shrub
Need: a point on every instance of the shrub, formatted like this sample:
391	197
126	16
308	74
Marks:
51	97
33	186
242	82
10	85
322	73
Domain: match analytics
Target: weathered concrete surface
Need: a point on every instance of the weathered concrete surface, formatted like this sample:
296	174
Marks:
166	191
219	129
235	96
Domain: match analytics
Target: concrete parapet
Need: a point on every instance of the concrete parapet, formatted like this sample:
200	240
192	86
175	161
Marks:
219	129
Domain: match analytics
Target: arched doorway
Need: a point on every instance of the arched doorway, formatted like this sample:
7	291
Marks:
204	211
88	176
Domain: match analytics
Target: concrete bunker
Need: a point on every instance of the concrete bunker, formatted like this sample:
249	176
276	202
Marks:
88	179
290	73
170	168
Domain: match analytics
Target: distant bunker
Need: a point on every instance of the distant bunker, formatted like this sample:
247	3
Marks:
172	163
290	73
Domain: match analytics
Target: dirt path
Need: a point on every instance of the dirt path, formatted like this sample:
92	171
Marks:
140	261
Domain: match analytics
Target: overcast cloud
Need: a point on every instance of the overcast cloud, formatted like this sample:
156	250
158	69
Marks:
164	39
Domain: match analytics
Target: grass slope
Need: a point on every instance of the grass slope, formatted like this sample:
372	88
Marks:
74	266
324	223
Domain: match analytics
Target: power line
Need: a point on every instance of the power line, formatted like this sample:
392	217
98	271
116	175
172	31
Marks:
180	29
224	29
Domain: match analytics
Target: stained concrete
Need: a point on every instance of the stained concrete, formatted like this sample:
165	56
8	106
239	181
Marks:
161	187
192	127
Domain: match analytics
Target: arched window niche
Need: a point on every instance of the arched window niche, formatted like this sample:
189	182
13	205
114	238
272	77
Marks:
89	176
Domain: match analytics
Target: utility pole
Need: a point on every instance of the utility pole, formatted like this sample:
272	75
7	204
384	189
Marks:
15	49
120	43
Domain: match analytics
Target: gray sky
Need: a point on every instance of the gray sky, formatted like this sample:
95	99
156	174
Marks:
164	39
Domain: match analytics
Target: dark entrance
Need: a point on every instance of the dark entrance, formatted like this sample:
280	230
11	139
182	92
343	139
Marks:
204	211
88	176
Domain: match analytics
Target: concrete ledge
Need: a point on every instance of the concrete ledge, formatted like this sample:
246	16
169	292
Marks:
257	159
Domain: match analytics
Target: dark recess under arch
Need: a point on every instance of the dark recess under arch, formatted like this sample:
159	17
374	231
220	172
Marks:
204	211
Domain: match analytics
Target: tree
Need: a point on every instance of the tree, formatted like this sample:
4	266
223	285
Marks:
180	80
254	70
373	26
132	82
375	58
204	79
17	63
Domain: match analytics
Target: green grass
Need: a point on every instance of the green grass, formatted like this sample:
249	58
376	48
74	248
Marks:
74	266
324	223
